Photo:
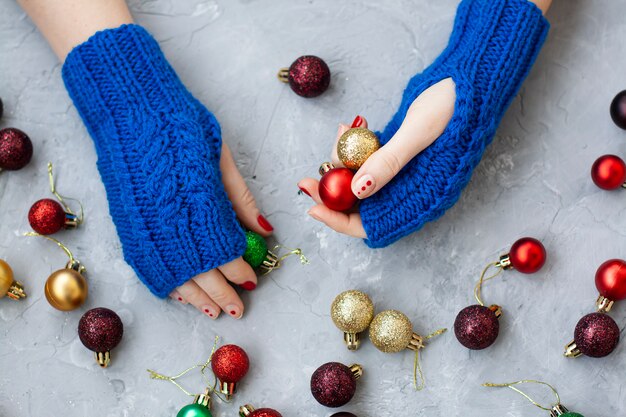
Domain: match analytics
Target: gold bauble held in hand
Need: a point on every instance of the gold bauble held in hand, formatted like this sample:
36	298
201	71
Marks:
66	289
355	146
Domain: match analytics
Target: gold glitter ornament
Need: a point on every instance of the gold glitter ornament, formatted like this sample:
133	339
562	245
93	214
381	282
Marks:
352	311
355	146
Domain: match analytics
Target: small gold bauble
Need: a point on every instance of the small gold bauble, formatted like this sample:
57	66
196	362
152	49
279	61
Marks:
6	278
352	311
355	146
391	331
66	289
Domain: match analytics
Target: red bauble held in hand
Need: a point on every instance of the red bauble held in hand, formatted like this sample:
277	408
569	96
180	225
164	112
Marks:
335	188
609	172
611	283
527	255
230	364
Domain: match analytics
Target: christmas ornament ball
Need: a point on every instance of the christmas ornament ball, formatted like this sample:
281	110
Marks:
527	255
355	146
265	412
476	327
352	311
16	149
609	172
46	216
569	414
230	363
343	414
1	108
100	329
309	76
194	410
333	384
596	335
391	331
6	278
335	189
256	249
611	279
618	110
66	289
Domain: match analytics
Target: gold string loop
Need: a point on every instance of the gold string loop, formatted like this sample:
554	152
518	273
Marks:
68	209
417	367
511	385
478	287
278	263
73	262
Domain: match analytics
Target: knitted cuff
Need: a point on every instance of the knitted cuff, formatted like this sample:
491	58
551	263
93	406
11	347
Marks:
492	48
158	156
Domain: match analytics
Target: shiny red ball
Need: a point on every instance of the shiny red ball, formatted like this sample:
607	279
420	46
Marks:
100	329
609	172
336	189
596	335
265	412
16	149
527	255
333	384
611	279
46	217
618	110
476	327
230	363
309	76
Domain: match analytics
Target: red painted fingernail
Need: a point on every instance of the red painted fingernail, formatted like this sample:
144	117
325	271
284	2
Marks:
358	121
304	191
264	223
248	285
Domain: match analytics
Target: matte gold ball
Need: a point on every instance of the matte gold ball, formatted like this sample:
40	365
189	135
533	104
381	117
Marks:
66	289
355	146
391	331
352	311
6	278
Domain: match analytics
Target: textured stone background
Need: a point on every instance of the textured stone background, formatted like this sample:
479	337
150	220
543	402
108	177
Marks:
534	180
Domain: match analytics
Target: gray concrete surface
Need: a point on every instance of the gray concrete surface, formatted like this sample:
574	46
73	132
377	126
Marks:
534	180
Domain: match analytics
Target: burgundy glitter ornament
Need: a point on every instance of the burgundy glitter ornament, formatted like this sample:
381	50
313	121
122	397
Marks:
249	411
46	216
308	76
230	364
596	335
334	384
477	327
100	330
343	414
618	110
16	149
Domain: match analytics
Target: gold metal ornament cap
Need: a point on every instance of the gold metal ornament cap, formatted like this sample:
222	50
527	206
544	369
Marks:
391	331
66	289
505	262
572	351
203	399
558	410
325	167
357	370
245	410
355	146
603	304
103	358
352	312
228	389
8	286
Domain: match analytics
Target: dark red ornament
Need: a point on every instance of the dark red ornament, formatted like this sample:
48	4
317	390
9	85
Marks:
16	149
100	330
230	364
609	172
527	255
335	189
618	110
1	108
308	76
47	216
334	384
477	327
611	279
596	335
343	414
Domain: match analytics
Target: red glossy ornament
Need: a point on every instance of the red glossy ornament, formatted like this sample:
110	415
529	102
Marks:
611	279
609	172
230	364
16	149
335	189
47	216
527	255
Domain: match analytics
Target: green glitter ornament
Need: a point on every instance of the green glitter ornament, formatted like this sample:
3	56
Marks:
201	407
258	256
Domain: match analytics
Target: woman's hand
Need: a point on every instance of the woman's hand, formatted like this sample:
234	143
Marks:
425	121
212	292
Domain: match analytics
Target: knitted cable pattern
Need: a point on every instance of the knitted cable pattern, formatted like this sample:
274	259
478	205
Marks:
158	155
492	48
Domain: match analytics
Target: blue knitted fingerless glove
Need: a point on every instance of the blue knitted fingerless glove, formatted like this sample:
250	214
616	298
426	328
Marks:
493	46
158	156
